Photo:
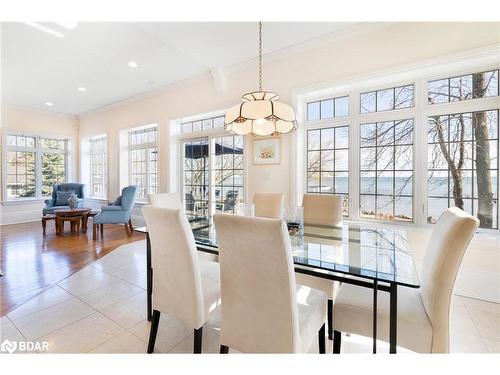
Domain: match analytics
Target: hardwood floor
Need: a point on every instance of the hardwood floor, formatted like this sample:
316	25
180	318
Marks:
32	262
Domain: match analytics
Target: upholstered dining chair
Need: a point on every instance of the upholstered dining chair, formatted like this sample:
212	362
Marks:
263	310
268	205
168	200
173	200
118	212
325	209
423	314
185	288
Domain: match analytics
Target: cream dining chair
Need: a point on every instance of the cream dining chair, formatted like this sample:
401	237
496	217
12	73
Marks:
263	310
268	205
325	209
423	314
167	200
173	200
185	288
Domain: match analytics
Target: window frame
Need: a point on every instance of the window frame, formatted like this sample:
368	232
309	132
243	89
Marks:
38	151
144	146
420	77
104	163
177	140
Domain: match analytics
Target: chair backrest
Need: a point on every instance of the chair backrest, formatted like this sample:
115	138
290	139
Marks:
128	197
322	209
268	205
449	241
70	186
258	290
167	200
176	274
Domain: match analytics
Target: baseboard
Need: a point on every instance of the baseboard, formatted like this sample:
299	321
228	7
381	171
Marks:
19	217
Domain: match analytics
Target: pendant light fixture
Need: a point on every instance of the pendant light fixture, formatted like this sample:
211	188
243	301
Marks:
260	112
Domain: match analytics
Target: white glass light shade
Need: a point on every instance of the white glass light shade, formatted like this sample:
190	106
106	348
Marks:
260	113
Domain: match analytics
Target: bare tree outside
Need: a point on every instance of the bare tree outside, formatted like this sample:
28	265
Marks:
463	150
386	167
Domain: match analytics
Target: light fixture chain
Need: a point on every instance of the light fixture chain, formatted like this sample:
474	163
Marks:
260	56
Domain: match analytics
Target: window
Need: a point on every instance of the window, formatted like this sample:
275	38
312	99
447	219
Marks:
33	165
212	176
386	170
463	165
143	160
328	162
328	108
98	167
227	172
470	86
408	165
387	100
204	124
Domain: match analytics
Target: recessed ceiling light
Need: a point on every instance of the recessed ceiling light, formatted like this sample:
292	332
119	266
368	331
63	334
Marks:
133	64
49	104
82	89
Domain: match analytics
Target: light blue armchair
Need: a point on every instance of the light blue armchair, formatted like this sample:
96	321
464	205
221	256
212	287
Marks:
52	204
118	212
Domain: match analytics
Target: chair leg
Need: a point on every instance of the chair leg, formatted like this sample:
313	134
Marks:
198	335
130	225
321	340
330	319
337	337
94	231
102	228
224	349
127	230
155	320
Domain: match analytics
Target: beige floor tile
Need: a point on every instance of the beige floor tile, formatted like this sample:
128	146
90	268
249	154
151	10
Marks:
171	332
125	342
4	320
78	285
493	345
461	322
210	343
8	331
108	295
477	304
128	312
50	297
138	279
462	343
52	318
83	335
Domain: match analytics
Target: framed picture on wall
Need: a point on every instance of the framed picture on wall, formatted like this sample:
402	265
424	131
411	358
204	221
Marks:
266	151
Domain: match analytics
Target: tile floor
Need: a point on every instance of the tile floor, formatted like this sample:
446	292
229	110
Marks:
102	309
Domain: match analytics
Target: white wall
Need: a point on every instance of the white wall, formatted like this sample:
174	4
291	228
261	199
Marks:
30	121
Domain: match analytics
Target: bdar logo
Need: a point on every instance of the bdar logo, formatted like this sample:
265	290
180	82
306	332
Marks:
8	346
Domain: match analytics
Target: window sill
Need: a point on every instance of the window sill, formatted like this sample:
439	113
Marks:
24	201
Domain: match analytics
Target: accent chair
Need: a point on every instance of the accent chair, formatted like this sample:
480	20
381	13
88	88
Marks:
66	188
118	212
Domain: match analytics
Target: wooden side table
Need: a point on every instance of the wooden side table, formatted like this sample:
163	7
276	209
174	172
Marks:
77	217
46	218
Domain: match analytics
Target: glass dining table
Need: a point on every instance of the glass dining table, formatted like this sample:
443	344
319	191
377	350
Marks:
378	258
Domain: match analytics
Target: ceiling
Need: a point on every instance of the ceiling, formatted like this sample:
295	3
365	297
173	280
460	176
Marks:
39	67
